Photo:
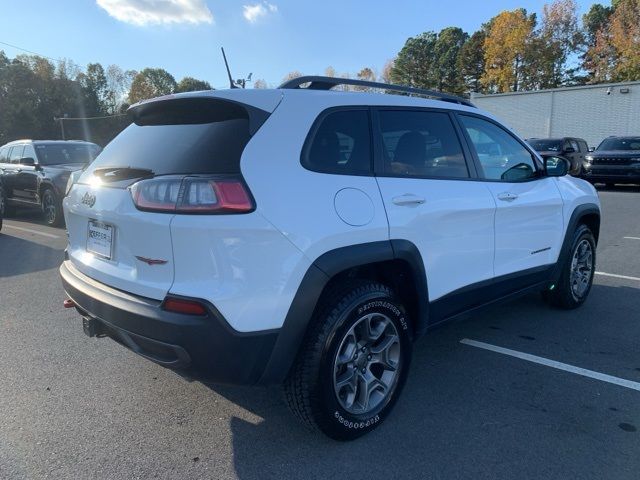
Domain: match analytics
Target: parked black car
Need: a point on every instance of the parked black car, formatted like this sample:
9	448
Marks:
571	148
34	173
616	160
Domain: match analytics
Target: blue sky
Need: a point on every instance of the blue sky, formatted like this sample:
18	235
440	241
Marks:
266	38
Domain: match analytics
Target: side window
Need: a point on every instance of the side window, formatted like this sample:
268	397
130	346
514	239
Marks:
29	151
16	153
340	144
421	144
583	146
4	155
501	156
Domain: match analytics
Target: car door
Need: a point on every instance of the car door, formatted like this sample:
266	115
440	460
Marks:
27	177
427	184
10	170
529	218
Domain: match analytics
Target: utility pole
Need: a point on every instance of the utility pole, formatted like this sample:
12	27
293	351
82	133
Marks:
61	120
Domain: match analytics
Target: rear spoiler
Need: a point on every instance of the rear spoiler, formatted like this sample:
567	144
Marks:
179	110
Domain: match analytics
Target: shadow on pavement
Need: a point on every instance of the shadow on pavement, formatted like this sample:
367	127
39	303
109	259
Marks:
18	256
466	413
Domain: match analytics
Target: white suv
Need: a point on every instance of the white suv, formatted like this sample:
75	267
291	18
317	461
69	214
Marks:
308	237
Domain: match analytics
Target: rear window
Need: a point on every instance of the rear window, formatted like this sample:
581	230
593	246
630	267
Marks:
341	143
181	138
620	144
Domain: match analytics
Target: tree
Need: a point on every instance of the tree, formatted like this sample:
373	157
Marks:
470	62
447	48
118	86
549	50
190	84
330	72
414	63
151	82
386	76
625	39
260	83
599	55
505	48
94	88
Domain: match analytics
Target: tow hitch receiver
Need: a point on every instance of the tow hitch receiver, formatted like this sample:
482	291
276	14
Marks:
91	327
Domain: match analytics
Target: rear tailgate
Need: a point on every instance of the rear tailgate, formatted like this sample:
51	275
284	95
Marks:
121	238
130	248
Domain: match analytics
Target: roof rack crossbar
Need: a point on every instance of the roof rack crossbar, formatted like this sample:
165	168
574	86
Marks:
327	83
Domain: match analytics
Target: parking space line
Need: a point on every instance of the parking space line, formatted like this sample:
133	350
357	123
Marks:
632	238
554	364
614	275
35	232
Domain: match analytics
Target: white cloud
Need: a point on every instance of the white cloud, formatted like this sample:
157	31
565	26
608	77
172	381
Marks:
253	13
154	12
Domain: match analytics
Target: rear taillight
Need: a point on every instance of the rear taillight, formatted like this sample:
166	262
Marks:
206	195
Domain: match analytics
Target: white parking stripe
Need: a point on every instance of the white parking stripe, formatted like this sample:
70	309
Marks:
632	238
553	364
35	232
614	275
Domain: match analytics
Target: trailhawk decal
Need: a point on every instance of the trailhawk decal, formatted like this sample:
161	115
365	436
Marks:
387	305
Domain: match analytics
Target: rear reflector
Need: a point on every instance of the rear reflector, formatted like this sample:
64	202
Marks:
188	307
204	195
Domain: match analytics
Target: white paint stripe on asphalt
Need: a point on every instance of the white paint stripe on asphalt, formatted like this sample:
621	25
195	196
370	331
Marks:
35	232
553	364
614	275
632	238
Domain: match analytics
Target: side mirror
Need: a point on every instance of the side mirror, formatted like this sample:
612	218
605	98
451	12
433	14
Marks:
569	150
28	161
556	166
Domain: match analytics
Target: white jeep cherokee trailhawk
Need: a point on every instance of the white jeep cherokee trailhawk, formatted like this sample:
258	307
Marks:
308	237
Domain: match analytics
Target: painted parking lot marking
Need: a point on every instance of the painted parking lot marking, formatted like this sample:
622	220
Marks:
615	275
632	238
554	364
28	230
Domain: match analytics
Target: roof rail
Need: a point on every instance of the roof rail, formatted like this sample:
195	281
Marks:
327	83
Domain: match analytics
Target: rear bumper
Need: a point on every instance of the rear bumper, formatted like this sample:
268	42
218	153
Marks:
201	347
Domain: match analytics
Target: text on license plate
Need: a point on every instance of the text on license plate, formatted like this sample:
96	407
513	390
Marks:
100	239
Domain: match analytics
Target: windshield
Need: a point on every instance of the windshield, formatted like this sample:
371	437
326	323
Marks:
55	154
630	143
546	145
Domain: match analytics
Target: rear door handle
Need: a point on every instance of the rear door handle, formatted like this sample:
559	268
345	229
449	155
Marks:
507	196
408	199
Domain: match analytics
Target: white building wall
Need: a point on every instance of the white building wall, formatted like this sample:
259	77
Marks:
586	112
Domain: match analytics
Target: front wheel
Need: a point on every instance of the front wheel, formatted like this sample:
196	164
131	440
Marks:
577	273
51	208
353	363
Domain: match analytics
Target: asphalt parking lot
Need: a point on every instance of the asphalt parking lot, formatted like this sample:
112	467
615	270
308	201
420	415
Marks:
74	407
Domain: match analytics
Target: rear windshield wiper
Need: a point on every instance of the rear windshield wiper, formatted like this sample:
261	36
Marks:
113	174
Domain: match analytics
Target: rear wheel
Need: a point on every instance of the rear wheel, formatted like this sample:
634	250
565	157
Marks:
51	208
577	274
353	363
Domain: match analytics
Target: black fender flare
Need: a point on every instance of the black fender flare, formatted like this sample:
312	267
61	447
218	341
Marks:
576	216
321	271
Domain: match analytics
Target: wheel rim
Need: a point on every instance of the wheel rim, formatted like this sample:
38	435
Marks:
49	206
366	367
581	269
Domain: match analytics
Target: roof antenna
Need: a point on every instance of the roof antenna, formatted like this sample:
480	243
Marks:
231	82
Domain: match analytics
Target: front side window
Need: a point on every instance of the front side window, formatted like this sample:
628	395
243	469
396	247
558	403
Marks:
29	152
501	156
4	155
341	144
421	144
16	154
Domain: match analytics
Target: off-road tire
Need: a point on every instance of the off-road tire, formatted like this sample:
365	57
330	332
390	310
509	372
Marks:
309	388
562	296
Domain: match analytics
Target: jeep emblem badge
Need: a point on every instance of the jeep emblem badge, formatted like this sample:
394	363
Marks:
89	199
